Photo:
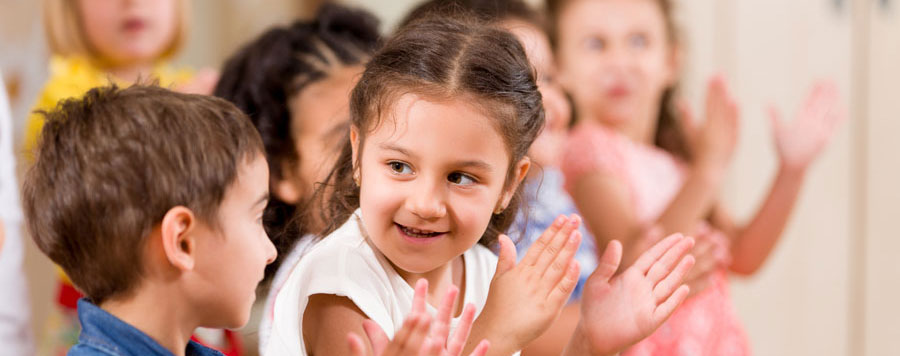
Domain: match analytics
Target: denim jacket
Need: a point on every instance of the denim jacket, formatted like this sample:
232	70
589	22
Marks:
102	334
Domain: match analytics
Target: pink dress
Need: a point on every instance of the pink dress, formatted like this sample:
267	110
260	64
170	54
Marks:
705	324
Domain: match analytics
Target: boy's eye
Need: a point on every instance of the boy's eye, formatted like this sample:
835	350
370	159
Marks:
400	167
638	41
460	179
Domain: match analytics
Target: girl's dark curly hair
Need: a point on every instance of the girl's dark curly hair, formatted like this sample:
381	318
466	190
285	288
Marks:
263	76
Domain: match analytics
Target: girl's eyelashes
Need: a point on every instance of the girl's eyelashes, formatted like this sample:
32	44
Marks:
461	178
398	167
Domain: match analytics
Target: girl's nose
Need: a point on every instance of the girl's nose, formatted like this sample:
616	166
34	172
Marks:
426	201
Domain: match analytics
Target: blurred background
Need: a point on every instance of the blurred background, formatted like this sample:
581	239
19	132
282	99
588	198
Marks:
833	284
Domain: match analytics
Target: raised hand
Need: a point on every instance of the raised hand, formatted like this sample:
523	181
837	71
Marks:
618	311
419	335
799	142
525	298
713	142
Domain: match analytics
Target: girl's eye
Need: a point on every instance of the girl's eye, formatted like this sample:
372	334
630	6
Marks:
595	43
638	41
460	179
400	167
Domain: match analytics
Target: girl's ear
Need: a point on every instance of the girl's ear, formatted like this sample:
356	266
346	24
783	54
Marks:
520	171
178	238
674	64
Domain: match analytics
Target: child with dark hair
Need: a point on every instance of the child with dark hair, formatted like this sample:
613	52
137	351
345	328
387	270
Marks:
294	83
441	121
122	199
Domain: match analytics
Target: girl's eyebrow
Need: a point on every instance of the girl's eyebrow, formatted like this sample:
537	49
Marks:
393	147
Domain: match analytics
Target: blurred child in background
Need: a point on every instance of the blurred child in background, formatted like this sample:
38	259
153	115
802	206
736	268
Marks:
15	311
634	160
294	83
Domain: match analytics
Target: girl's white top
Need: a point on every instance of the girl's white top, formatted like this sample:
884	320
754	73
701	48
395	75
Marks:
346	264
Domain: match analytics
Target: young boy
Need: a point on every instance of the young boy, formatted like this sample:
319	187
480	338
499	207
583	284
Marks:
152	202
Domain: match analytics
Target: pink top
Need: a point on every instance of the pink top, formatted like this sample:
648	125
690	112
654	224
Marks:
705	324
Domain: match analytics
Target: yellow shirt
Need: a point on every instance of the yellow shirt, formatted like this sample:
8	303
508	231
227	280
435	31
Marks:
72	77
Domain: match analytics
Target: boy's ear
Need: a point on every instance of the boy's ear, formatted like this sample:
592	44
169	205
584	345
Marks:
520	171
178	240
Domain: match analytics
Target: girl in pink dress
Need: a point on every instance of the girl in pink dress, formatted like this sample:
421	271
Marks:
631	163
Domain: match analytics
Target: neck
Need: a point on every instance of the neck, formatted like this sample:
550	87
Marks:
170	324
131	73
640	128
439	281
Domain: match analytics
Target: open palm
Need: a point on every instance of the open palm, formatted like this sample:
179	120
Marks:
799	142
619	311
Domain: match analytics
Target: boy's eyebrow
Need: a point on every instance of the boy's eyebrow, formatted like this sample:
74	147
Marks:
262	199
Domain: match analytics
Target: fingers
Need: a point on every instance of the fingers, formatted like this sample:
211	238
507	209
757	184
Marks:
609	262
647	258
458	341
667	262
441	328
556	245
560	293
418	305
559	264
664	310
688	121
357	348
481	349
409	339
377	338
538	246
667	286
507	259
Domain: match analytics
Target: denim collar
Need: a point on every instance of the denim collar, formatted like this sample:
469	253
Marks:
103	331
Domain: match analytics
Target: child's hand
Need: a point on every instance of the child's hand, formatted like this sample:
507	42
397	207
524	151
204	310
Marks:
618	312
711	251
800	141
418	335
204	82
713	143
525	298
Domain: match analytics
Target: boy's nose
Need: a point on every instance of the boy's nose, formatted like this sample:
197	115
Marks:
271	252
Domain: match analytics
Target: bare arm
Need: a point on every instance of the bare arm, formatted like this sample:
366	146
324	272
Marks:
327	321
798	144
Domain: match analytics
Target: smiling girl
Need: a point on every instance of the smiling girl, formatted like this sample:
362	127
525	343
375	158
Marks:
441	121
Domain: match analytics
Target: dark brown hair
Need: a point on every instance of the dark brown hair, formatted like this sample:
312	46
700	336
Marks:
669	133
110	165
490	11
441	57
264	75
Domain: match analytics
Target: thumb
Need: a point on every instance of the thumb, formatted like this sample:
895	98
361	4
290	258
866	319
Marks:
609	262
507	259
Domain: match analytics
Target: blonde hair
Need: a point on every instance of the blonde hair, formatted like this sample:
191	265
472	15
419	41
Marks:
66	36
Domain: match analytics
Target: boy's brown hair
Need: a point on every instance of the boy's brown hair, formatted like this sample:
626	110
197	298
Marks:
110	165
